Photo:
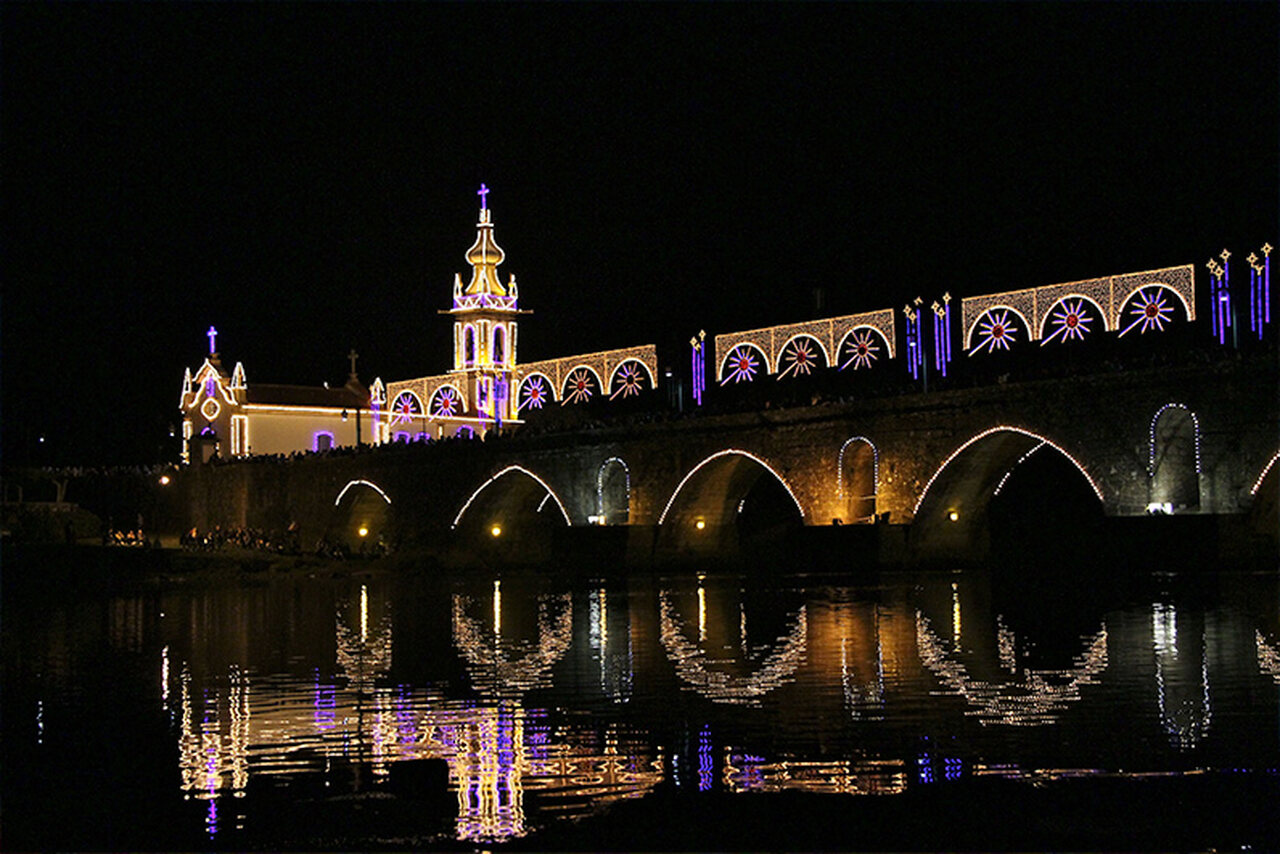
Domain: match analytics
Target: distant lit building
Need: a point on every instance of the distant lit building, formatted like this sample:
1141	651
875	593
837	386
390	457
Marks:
487	388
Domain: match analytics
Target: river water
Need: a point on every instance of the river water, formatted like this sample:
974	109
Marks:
351	709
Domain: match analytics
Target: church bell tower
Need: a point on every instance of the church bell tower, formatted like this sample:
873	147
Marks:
484	327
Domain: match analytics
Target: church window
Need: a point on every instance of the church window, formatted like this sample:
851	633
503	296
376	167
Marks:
468	346
499	345
323	440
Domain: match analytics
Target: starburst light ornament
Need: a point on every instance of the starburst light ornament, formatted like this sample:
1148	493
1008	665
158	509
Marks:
859	350
406	408
799	357
742	365
995	330
1151	311
580	387
1069	320
628	381
534	393
445	402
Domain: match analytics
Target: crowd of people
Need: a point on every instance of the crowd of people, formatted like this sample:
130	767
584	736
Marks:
255	539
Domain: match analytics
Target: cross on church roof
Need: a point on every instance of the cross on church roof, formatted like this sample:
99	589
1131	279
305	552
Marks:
213	334
353	355
483	192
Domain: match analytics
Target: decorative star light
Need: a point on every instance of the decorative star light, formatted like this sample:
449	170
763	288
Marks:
860	349
628	381
534	393
1069	321
742	365
994	330
406	408
799	357
445	402
1150	311
580	389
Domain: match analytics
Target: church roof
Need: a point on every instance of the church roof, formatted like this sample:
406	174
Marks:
305	395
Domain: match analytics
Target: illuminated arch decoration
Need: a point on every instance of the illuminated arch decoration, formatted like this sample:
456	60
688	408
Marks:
1151	443
695	669
407	406
829	333
717	455
1109	295
861	347
535	392
367	483
446	402
1257	484
740	364
799	356
1037	699
875	464
1093	484
604	363
997	329
510	470
579	386
628	379
626	471
1069	318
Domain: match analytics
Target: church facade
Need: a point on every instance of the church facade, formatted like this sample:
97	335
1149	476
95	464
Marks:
487	388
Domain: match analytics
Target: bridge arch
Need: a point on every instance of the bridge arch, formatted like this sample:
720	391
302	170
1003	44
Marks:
733	501
951	514
360	515
525	490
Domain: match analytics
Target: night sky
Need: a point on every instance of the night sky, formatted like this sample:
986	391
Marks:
304	177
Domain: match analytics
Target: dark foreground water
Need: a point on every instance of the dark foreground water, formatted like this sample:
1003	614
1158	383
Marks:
998	709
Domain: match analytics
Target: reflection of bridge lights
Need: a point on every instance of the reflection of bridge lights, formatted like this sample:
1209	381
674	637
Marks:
1036	700
1268	657
745	772
1185	717
693	666
505	666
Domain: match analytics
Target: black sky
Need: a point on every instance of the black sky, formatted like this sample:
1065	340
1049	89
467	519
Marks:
304	176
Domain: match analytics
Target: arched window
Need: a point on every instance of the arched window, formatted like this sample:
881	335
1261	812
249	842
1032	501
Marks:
1175	459
858	476
613	492
468	346
499	348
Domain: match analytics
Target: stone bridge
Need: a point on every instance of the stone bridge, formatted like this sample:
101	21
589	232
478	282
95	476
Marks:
1185	440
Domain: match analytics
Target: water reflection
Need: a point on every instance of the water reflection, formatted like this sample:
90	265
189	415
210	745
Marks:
1268	656
507	665
771	664
1182	677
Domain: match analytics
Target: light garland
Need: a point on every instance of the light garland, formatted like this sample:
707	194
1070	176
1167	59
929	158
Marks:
1003	429
725	452
875	462
1257	484
829	333
1022	459
1151	447
239	435
600	484
505	471
361	482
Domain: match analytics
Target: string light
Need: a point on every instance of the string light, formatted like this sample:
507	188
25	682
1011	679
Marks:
577	386
506	471
800	355
717	455
362	482
627	380
1002	429
1257	484
859	347
830	335
875	463
742	364
699	357
1022	459
534	391
1071	321
600	483
1151	446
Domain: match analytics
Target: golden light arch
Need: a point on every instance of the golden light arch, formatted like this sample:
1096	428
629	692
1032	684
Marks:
1047	316
509	470
653	383
1026	324
726	452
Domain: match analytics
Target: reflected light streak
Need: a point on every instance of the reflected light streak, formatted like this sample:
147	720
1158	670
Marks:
1268	657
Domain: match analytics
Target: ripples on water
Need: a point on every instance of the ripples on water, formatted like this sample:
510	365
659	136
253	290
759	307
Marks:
529	702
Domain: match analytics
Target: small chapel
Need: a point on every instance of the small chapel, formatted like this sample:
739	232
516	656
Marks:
226	416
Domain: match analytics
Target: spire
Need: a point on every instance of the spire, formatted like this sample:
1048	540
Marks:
485	255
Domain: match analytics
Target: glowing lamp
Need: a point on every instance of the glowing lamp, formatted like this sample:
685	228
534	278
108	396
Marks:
164	480
496	530
953	516
364	532
700	524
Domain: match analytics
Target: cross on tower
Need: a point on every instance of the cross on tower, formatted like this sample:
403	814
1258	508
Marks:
353	355
213	334
483	192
